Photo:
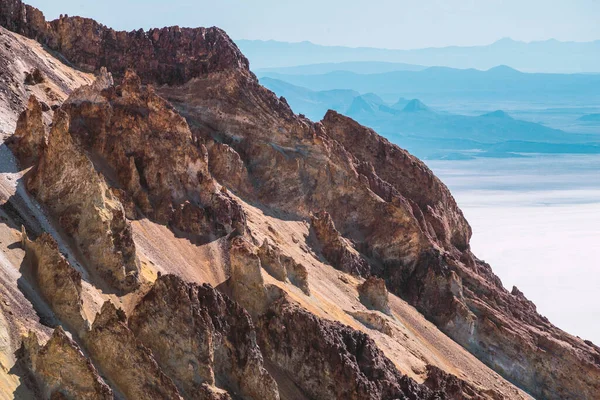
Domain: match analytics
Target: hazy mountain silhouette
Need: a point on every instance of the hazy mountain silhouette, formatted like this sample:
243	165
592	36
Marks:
432	134
542	56
358	67
434	83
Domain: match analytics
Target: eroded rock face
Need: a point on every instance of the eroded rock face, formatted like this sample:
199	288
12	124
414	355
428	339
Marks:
270	259
59	370
167	56
455	388
374	321
335	248
65	181
154	158
29	139
282	267
57	281
374	295
350	365
394	173
125	360
246	282
201	337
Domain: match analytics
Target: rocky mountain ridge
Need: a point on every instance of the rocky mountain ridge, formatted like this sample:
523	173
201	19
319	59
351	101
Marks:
216	163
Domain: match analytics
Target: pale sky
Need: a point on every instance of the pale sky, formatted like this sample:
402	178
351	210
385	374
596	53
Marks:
401	24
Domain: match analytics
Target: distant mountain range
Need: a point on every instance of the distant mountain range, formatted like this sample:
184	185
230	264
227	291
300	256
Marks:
543	56
434	83
358	67
431	134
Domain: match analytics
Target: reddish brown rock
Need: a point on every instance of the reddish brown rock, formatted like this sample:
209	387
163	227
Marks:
58	282
335	248
30	137
199	337
59	370
171	55
374	295
65	181
349	364
398	173
124	360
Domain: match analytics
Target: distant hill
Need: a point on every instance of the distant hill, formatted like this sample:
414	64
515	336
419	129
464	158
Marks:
590	118
431	134
434	83
358	67
543	56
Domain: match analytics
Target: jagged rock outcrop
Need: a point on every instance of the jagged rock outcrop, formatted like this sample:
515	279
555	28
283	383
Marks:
169	55
59	370
373	320
374	295
335	248
246	281
29	138
282	267
201	337
124	360
270	259
296	273
154	158
65	181
455	388
56	280
349	364
435	208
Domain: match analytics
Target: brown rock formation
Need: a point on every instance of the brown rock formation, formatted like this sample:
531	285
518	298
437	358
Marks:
455	388
124	360
57	281
374	295
65	181
270	259
373	320
246	282
296	273
283	268
405	176
169	55
150	150
349	364
200	337
59	370
29	139
335	248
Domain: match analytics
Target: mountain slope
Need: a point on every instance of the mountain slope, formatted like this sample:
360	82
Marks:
234	206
